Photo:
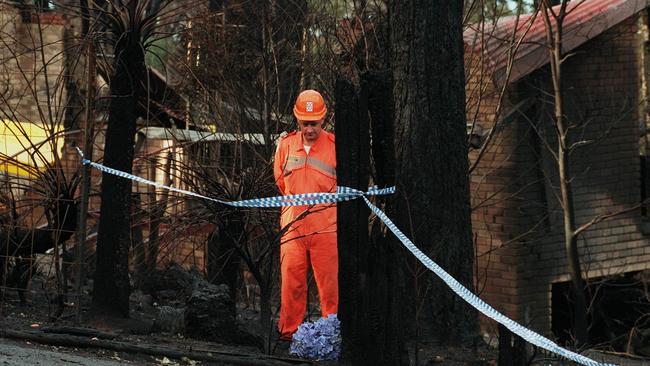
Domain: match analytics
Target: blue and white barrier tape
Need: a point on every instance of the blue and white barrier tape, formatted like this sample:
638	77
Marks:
347	194
304	199
476	302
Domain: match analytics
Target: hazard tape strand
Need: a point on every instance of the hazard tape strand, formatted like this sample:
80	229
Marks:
347	194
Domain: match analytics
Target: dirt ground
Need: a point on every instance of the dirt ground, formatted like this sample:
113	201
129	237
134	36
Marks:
135	331
34	318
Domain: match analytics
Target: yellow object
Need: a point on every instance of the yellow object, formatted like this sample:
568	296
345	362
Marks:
26	147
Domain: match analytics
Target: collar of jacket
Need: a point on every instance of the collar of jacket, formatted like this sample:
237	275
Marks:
314	146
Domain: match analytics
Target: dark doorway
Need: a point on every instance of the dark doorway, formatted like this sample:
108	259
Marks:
619	314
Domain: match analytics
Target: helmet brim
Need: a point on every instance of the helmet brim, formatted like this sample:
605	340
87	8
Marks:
309	116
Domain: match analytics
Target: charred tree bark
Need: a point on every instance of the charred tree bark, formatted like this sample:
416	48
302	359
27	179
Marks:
111	286
385	260
512	348
370	285
352	155
433	204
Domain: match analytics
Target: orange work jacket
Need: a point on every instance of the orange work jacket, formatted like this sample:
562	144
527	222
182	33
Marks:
298	172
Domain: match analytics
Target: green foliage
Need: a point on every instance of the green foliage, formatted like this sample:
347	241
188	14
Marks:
157	52
492	10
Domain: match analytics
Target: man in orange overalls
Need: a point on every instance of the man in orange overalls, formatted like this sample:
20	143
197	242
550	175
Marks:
305	162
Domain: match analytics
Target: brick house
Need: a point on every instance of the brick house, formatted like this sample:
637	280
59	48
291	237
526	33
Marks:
517	220
34	103
168	123
25	74
30	63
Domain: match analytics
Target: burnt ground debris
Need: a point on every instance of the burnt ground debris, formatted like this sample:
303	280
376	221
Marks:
153	335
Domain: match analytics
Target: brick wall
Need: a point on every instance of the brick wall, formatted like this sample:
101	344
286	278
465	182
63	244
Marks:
32	62
502	189
602	91
516	219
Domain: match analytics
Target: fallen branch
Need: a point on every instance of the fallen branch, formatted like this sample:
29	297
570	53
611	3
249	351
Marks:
213	356
77	331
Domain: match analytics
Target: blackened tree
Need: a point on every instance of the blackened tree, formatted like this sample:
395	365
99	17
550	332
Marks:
433	205
130	27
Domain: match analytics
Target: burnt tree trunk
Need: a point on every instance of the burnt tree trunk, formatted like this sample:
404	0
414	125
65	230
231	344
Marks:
432	205
386	259
352	155
111	286
369	268
512	348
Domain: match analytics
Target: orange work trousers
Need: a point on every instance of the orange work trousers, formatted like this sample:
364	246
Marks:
295	257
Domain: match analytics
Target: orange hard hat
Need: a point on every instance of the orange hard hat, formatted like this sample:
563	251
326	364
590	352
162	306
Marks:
310	106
